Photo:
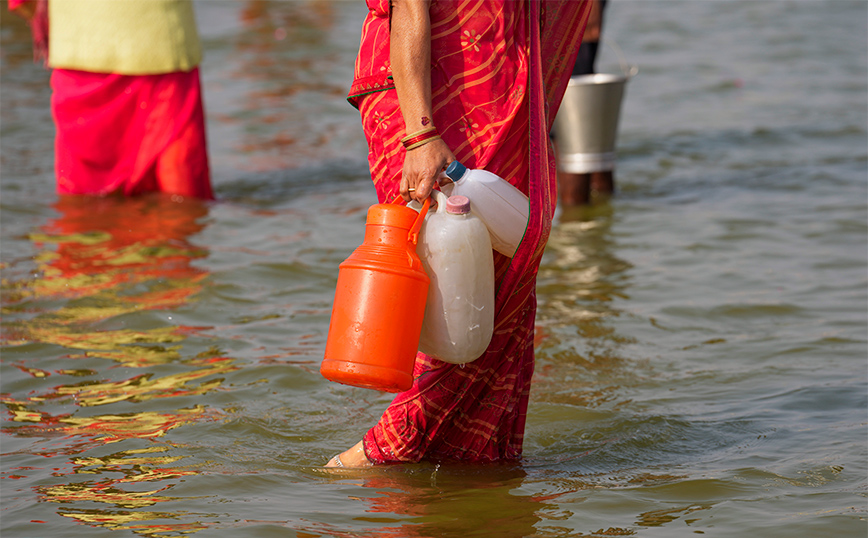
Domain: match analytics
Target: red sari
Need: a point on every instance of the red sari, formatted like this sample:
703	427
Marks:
499	70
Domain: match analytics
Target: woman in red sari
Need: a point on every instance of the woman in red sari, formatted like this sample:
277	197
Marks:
488	75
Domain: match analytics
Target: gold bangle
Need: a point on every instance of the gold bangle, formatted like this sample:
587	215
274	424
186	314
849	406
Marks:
417	133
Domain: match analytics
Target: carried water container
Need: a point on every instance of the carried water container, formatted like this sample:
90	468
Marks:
502	207
379	304
455	249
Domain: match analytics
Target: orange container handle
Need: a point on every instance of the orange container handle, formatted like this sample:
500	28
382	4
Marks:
413	236
414	231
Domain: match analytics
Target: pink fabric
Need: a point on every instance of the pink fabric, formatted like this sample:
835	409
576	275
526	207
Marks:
499	70
130	134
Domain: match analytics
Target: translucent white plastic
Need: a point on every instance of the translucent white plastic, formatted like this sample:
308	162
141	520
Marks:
455	250
502	207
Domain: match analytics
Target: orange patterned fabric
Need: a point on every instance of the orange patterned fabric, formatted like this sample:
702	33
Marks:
498	72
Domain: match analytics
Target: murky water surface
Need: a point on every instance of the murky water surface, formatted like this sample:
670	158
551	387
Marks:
701	342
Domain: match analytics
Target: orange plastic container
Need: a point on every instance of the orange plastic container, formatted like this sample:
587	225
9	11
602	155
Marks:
379	304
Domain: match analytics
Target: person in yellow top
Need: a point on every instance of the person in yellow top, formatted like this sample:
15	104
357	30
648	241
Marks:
127	98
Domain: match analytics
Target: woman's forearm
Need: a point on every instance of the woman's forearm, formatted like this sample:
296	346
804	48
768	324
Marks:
410	57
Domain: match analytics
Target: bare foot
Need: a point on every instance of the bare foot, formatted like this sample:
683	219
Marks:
352	458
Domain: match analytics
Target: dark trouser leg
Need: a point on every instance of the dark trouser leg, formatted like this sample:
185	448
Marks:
603	182
574	189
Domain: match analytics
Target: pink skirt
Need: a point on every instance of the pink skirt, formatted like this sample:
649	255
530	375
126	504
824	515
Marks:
130	134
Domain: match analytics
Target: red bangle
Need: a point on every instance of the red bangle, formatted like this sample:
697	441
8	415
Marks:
420	138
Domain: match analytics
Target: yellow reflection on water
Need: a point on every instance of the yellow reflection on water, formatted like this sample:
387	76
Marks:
103	428
122	520
61	336
137	356
102	492
138	466
142	388
658	518
123	458
115	256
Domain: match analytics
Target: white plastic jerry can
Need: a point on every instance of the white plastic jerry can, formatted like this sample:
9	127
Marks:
455	250
502	207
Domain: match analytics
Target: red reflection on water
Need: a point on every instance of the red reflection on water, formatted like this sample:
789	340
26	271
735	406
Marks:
105	242
35	372
108	257
452	500
129	254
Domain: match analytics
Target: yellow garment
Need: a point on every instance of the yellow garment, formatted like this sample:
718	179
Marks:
128	37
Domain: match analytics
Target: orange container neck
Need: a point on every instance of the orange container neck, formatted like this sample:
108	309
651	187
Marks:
386	236
389	225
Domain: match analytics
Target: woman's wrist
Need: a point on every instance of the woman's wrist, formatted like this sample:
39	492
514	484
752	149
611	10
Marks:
420	138
415	121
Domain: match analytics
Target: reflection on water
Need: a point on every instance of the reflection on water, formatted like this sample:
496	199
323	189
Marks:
579	279
124	520
104	244
142	387
105	264
426	501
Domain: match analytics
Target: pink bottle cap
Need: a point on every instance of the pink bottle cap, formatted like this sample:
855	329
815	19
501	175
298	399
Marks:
458	205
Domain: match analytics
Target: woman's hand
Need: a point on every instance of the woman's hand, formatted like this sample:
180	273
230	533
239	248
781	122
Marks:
410	56
422	166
